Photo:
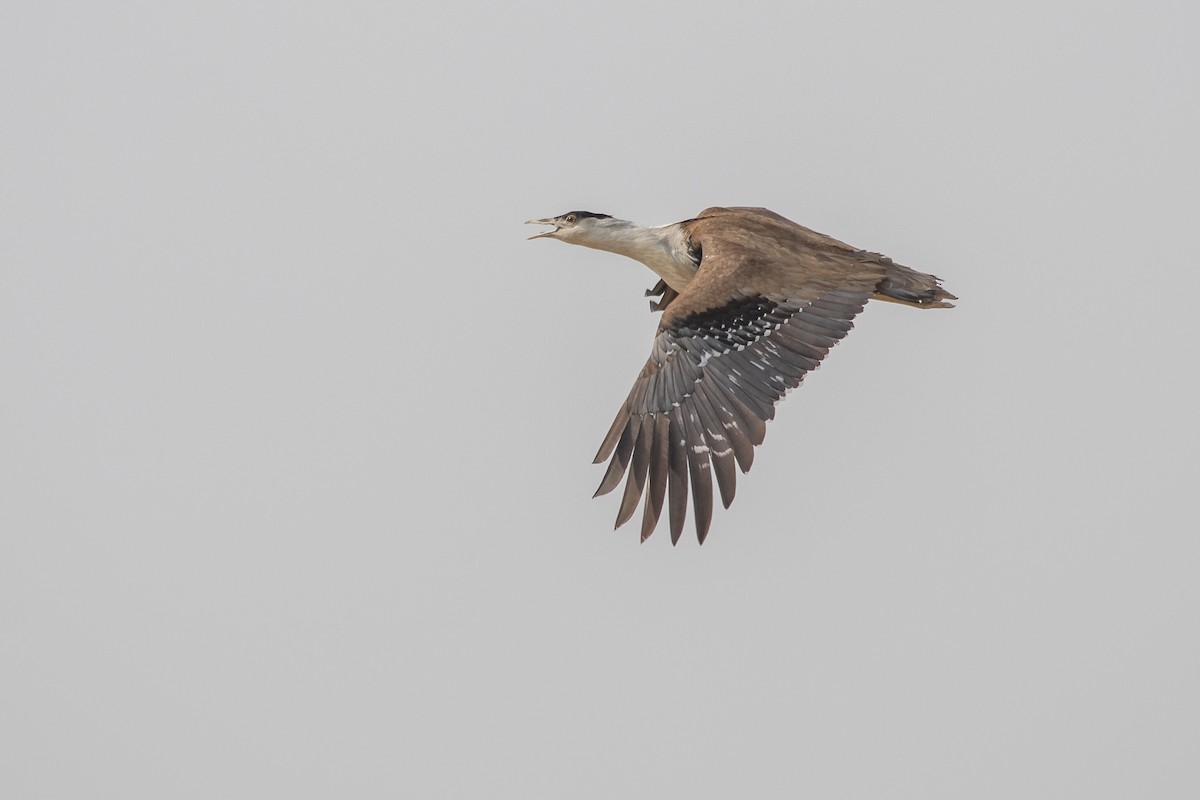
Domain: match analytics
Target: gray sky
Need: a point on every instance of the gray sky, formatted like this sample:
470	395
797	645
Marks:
296	427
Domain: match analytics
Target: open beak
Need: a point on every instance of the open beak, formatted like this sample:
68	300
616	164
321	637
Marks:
548	221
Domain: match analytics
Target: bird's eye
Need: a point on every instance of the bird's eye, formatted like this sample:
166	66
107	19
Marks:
570	217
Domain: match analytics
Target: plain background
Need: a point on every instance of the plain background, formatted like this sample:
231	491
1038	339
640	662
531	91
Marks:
297	426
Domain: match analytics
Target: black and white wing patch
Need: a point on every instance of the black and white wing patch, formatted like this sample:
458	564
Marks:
702	401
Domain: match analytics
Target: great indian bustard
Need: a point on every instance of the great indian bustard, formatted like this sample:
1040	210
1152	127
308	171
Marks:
751	303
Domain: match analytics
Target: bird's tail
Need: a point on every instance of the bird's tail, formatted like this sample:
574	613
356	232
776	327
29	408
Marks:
911	288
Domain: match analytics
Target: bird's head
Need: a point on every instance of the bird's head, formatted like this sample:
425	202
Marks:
576	227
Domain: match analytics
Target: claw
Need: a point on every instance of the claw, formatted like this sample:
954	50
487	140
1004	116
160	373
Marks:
658	289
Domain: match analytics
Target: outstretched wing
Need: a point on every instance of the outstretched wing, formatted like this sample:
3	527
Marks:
769	301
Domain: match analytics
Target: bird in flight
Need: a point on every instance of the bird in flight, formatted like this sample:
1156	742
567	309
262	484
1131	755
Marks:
751	303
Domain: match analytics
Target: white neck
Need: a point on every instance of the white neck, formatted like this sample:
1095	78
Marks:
662	249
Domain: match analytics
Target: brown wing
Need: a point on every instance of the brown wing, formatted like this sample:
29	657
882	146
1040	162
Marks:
769	301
